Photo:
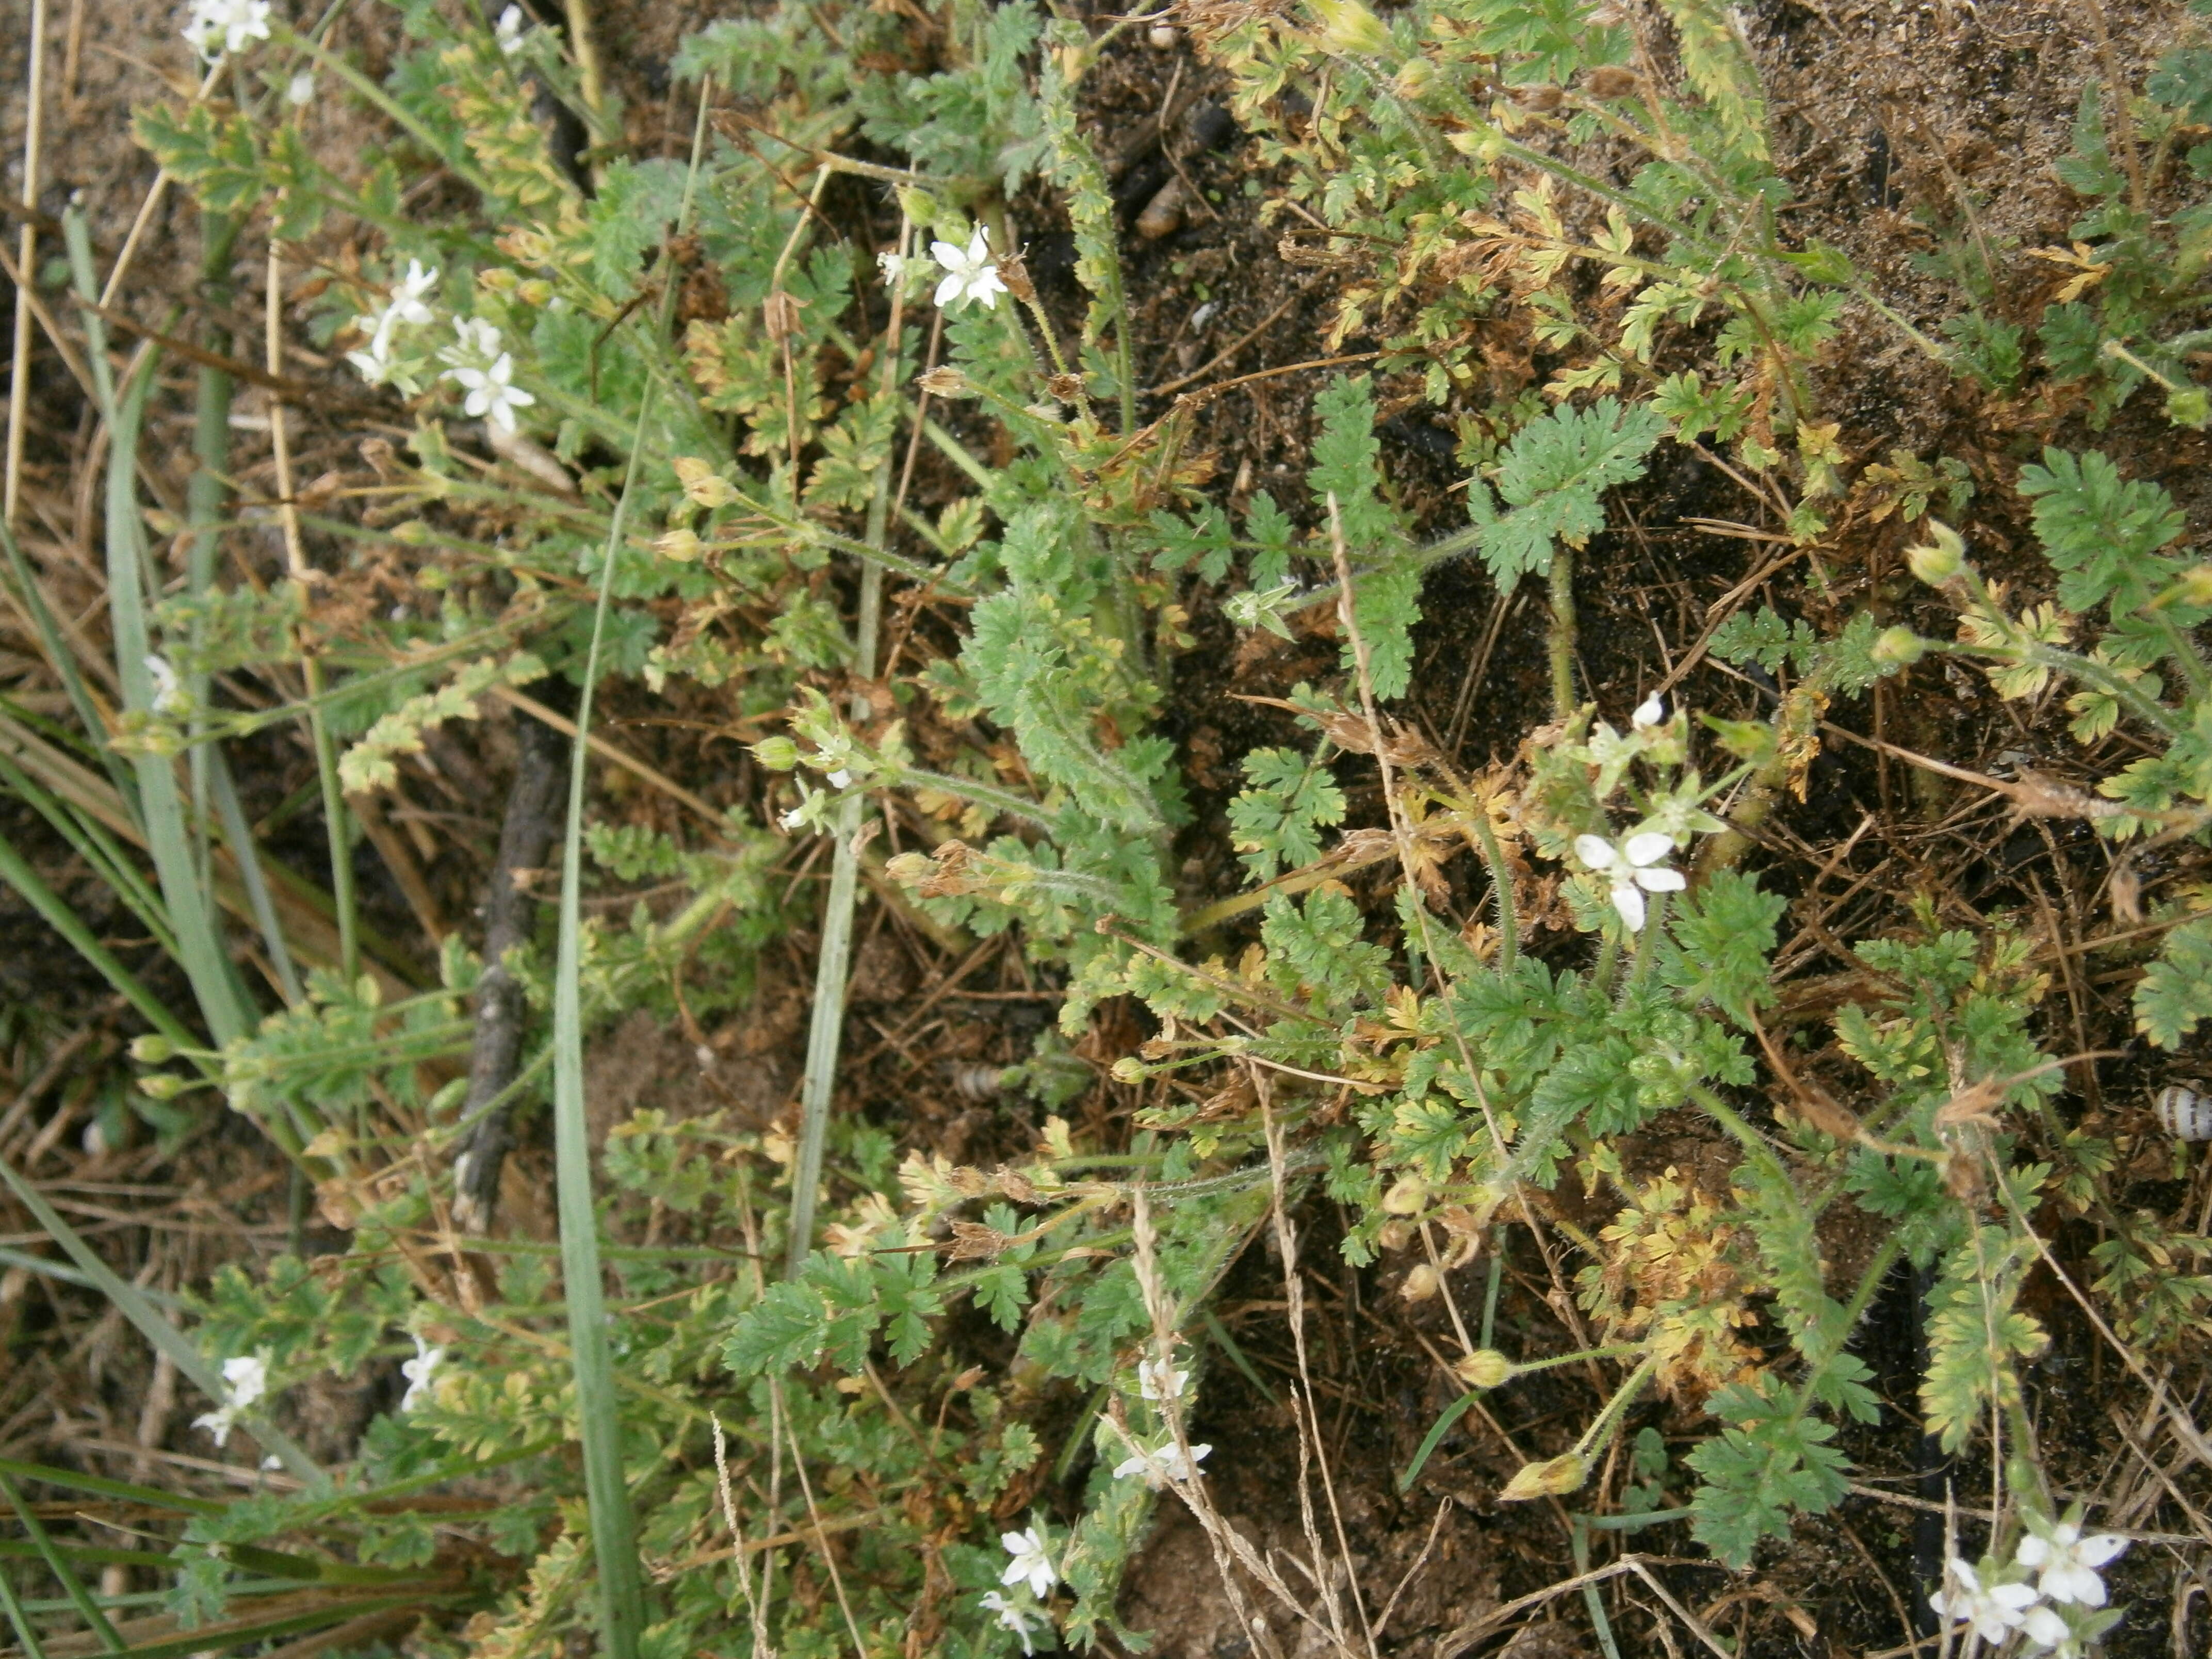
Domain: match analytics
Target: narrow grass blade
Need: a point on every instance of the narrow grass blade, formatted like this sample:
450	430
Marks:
152	1324
199	945
63	661
100	1486
246	853
80	1598
94	846
24	1632
68	1275
824	1033
614	1525
16	871
1430	1441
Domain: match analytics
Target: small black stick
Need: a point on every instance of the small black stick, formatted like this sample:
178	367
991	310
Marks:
533	806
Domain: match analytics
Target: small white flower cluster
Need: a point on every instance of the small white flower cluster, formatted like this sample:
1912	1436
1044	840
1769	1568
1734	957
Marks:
245	1379
508	30
2065	1566
170	697
969	272
486	372
418	1372
1031	1565
213	28
405	306
1162	1465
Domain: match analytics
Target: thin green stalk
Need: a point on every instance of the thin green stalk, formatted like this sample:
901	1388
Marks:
246	851
1501	886
614	1525
1560	640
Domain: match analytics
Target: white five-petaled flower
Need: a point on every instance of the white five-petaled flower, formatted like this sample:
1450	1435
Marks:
895	268
1633	868
1994	1610
840	779
969	272
245	1379
1161	1464
405	306
508	30
1029	1561
217	26
1018	1617
492	393
1159	1380
417	1372
168	690
2066	1563
1647	713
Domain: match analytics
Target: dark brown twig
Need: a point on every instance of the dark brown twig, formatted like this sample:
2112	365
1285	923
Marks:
533	816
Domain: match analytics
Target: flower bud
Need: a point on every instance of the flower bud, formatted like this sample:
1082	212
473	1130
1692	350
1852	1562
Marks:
1898	645
1014	272
1421	1284
682	544
702	485
152	1049
777	754
947	382
1610	81
920	207
1555	1477
1414	76
1394	1234
1349	27
1486	1367
1128	1069
2196	585
1408	1195
1941	563
904	868
161	1085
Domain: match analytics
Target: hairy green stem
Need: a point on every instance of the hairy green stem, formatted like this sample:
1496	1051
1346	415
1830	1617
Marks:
1560	640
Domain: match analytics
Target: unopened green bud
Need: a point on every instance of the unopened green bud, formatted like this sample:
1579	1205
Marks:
2195	585
1900	646
161	1085
1415	76
777	754
1349	27
1128	1069
920	207
1554	1478
702	485
1486	1367
1941	562
682	544
2188	406
152	1049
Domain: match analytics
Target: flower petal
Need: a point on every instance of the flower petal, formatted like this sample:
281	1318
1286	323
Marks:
1595	851
1661	880
1649	848
1629	903
2103	1547
2033	1551
948	290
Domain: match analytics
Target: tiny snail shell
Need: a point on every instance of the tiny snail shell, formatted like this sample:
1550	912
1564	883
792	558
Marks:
978	1082
2185	1111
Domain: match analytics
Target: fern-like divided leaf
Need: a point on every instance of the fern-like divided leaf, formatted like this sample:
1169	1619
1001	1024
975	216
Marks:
2176	991
1553	479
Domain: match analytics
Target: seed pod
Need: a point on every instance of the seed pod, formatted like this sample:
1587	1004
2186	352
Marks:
2184	1111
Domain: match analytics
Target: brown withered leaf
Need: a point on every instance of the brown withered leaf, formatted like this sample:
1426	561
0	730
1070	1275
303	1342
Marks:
973	1242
